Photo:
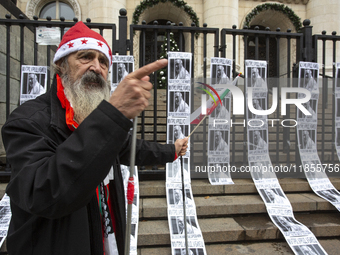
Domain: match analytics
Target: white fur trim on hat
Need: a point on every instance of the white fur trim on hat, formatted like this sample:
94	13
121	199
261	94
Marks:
82	43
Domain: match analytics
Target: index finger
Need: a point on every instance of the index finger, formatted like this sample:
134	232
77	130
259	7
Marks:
148	69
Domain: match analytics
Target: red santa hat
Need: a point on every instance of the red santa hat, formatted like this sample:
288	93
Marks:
80	37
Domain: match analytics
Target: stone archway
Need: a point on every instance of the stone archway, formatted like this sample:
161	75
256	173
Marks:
34	6
275	13
274	16
164	11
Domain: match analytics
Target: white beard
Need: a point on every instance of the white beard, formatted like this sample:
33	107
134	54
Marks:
85	93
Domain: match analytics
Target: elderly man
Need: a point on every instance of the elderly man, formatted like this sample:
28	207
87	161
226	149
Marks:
256	80
287	224
275	198
34	87
121	72
220	143
180	71
221	77
308	143
65	149
180	104
178	134
260	143
310	82
306	250
178	198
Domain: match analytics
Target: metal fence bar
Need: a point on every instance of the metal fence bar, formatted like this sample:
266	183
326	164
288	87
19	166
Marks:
286	130
324	98
8	66
278	37
204	149
333	148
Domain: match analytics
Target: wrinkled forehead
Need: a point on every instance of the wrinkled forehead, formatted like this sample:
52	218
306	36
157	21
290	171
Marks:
89	52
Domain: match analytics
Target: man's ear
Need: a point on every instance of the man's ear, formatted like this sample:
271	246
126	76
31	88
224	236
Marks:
60	66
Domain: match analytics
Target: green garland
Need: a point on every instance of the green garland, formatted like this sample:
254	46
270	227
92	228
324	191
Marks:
150	3
275	7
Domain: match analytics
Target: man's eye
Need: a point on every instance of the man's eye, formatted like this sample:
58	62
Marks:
103	61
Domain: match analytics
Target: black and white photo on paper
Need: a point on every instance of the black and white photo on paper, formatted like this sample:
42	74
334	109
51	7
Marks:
273	196
330	194
337	76
218	141
307	139
176	197
133	230
174	169
337	137
177	132
218	172
33	83
179	103
287	224
222	111
337	109
192	251
256	77
220	74
178	227
120	70
309	79
180	68
258	140
308	249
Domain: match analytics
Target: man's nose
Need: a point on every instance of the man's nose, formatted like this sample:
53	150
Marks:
95	66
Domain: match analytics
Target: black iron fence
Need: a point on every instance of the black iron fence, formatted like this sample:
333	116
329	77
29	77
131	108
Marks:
203	43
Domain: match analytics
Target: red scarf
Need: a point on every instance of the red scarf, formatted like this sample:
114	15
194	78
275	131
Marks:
69	114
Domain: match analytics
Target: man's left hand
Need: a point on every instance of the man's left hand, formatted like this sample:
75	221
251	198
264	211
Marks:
181	146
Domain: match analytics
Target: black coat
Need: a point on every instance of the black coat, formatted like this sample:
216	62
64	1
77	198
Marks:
55	173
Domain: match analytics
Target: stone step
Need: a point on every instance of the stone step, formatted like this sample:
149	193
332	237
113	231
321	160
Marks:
331	246
240	228
218	206
240	186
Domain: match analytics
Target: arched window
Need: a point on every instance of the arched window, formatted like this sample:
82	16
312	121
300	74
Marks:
56	10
